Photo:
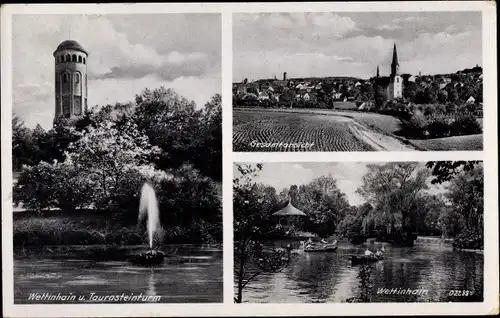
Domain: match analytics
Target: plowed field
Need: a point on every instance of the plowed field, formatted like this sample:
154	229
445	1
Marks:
326	133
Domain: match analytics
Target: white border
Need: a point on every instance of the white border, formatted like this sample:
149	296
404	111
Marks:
489	156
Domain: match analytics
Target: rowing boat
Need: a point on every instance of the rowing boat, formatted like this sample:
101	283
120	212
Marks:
321	248
365	259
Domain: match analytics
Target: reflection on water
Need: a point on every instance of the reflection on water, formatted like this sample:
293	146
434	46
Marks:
417	274
192	274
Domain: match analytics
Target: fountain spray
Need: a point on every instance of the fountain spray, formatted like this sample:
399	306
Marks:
149	207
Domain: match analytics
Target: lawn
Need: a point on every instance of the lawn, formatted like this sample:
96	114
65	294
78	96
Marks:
378	122
458	143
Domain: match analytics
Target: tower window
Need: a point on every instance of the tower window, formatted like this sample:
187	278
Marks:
74	58
68	58
66	110
397	79
77	78
78	108
83	60
66	78
79	59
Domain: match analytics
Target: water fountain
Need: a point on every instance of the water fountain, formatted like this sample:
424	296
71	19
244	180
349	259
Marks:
148	208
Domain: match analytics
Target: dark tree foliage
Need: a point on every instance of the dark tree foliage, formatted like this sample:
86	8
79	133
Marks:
443	171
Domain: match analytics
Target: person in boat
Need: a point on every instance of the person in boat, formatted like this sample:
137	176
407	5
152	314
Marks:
308	243
368	253
379	253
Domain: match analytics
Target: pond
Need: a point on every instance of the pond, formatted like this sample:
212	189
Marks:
416	274
83	274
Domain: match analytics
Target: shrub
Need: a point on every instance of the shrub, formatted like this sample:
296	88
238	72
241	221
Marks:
438	128
465	125
418	120
469	240
429	110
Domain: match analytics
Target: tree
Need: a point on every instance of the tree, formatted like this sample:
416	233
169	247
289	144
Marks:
442	96
23	151
425	213
323	202
443	171
288	97
466	193
351	226
208	156
251	225
60	185
171	123
409	90
452	95
392	189
190	201
105	154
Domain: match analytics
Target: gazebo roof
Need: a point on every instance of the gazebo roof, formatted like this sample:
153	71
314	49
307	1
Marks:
289	209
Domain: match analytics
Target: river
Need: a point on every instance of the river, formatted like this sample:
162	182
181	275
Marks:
416	274
189	274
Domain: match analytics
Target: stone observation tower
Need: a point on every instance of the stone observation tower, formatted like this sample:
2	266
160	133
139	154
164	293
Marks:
71	80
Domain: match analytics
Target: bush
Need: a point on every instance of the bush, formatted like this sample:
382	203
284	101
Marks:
465	125
438	128
469	240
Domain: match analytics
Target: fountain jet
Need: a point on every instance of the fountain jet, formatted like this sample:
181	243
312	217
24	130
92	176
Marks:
148	207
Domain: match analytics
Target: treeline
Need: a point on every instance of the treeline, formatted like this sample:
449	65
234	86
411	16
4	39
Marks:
458	91
434	120
101	160
397	207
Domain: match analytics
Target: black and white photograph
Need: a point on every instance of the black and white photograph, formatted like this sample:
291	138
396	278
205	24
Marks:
357	81
258	159
358	232
117	158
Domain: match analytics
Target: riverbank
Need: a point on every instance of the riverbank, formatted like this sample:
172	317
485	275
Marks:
91	229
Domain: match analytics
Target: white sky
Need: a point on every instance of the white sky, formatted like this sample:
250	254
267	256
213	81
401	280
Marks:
127	54
353	44
348	175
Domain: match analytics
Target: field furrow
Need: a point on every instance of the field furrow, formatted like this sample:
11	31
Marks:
269	131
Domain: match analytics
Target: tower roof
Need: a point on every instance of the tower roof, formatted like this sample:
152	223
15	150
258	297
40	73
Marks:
395	56
70	45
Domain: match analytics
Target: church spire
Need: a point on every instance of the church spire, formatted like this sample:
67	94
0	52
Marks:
378	72
395	63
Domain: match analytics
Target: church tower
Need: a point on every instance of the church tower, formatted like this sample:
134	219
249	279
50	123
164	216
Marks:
70	80
396	81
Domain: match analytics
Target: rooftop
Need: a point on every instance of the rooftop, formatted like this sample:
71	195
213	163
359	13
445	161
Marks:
70	45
